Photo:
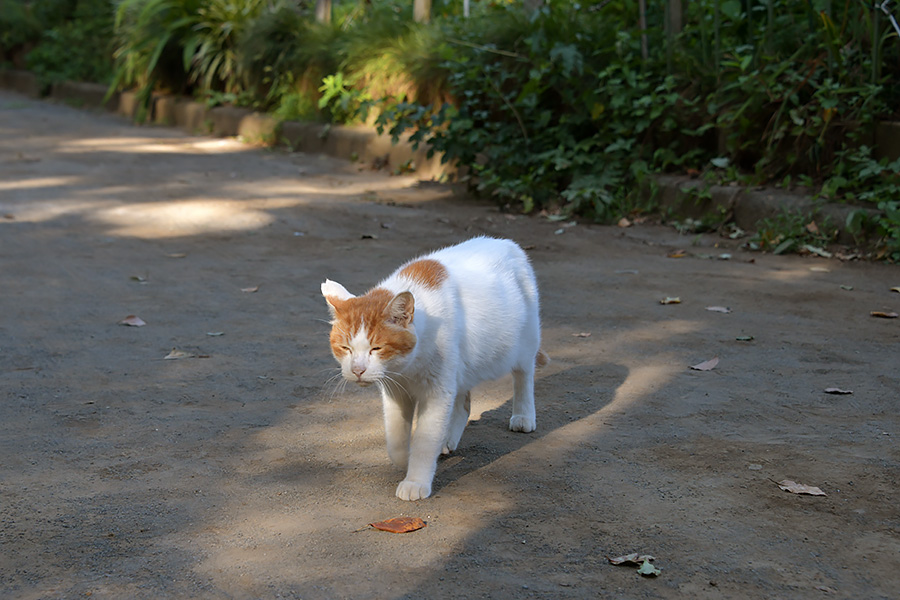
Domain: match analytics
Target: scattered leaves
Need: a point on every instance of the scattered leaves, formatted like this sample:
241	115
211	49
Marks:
399	524
583	334
719	309
799	488
676	254
250	290
708	365
176	354
884	315
670	300
838	391
132	321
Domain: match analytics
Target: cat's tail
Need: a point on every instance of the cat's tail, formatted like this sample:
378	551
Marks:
542	359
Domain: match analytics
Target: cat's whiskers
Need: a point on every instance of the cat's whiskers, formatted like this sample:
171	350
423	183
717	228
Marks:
389	379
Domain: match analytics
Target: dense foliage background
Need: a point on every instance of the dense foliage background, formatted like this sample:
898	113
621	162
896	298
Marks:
563	106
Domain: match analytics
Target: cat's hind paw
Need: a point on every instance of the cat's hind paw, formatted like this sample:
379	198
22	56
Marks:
413	490
522	423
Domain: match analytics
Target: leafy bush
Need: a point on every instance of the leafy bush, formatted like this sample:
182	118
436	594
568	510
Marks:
78	47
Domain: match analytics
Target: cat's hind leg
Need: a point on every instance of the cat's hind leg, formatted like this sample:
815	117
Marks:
462	406
523	415
398	417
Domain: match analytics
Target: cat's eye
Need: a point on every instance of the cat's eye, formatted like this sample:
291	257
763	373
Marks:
375	349
345	349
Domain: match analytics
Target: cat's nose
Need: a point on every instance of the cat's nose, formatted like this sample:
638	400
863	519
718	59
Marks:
358	370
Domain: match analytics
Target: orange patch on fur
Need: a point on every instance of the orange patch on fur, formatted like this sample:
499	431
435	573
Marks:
371	312
426	271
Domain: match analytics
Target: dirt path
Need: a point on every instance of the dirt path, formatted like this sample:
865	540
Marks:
240	474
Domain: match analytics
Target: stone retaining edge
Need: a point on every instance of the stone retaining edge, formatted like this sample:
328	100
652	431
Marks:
745	207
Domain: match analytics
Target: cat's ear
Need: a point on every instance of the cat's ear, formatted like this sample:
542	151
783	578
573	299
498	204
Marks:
401	309
334	292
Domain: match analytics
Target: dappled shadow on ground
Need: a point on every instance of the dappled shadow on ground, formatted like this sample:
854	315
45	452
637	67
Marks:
240	473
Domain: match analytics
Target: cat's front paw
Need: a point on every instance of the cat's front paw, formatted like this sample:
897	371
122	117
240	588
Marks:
413	490
523	424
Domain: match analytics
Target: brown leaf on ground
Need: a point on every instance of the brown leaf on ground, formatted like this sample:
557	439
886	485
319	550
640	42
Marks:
399	524
175	354
624	222
132	321
884	315
799	488
676	254
708	365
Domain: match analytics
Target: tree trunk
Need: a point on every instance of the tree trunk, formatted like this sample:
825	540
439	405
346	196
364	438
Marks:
323	11
422	11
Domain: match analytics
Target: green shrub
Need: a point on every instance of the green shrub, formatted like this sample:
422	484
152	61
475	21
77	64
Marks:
77	48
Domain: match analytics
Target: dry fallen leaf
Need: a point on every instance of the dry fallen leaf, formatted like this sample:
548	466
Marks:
670	300
798	488
176	354
132	321
676	254
720	309
634	559
708	365
648	570
583	334
250	290
884	315
399	524
834	390
623	222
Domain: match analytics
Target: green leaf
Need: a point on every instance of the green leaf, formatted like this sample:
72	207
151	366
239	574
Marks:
648	570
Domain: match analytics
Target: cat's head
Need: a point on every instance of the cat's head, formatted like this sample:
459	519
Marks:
372	336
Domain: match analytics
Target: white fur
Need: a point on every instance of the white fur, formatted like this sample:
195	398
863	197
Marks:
480	324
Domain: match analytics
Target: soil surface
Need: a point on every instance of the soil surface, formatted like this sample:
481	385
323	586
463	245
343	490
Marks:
239	471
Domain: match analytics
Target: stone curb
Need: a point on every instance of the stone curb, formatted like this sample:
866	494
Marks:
745	207
359	144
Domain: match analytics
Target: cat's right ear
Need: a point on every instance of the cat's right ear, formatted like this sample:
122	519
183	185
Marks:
334	292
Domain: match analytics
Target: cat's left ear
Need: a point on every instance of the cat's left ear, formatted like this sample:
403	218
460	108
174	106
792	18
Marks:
401	309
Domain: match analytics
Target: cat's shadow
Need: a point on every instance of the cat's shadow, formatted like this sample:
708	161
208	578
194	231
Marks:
560	399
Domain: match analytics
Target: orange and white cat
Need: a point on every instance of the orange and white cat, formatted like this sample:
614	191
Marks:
429	333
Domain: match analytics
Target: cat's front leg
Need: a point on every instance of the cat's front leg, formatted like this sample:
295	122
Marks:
432	426
398	416
523	417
